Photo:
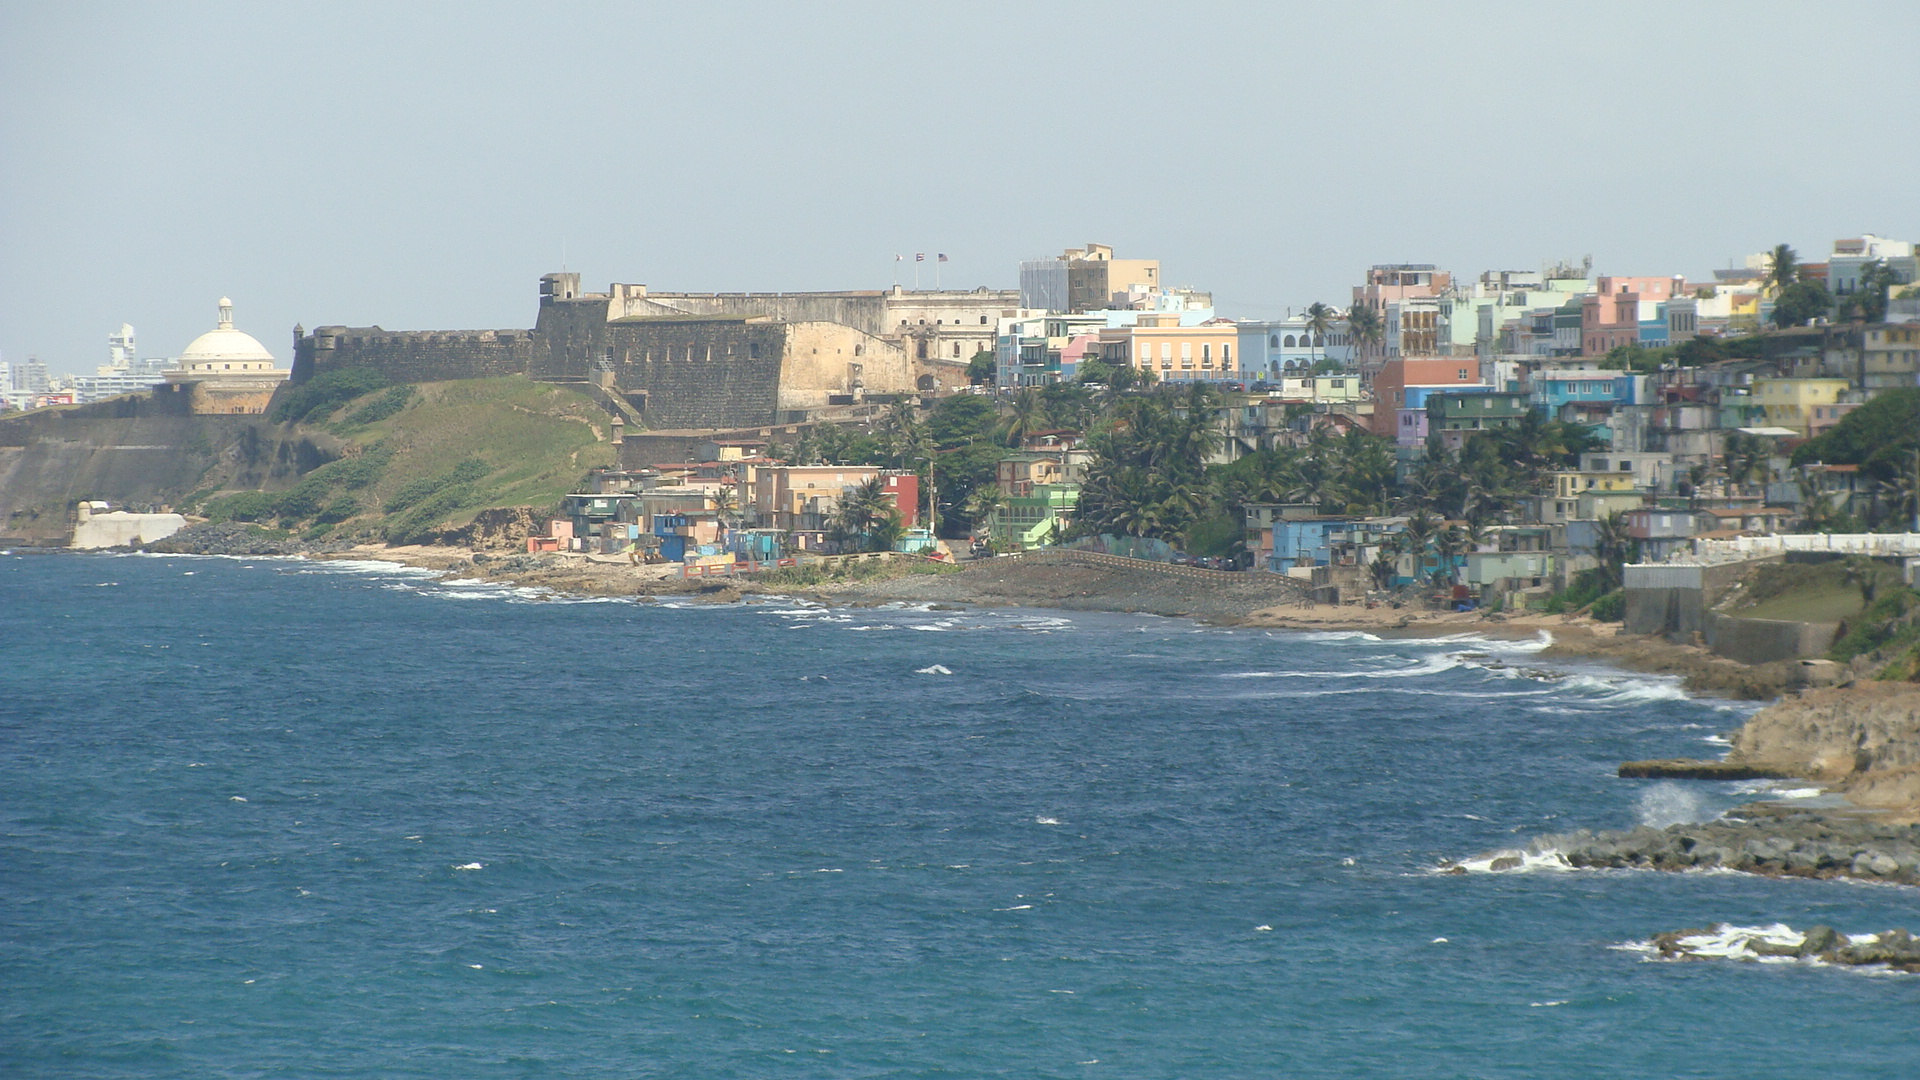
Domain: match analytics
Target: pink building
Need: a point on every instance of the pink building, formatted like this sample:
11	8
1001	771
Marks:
1611	315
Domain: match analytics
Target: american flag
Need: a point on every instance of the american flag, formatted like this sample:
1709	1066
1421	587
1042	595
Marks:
943	256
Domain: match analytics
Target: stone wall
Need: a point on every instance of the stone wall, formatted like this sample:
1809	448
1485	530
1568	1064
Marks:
413	356
861	310
1762	641
825	361
699	373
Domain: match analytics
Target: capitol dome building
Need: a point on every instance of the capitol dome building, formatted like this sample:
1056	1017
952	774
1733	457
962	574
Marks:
227	370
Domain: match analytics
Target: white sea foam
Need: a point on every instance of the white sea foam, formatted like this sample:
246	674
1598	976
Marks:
237	798
935	669
1729	942
1777	789
1332	635
1667	803
1046	821
471	866
1529	861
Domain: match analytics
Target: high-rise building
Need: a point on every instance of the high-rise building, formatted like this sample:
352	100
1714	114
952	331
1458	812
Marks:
120	352
32	376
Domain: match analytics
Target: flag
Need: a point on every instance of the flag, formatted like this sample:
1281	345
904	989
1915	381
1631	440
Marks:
919	256
943	256
897	258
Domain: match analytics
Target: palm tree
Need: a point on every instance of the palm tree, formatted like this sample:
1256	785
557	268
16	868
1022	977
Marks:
1319	325
1783	268
981	505
1026	414
862	507
1363	326
726	503
1611	545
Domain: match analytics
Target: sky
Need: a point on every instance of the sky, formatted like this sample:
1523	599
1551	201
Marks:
419	166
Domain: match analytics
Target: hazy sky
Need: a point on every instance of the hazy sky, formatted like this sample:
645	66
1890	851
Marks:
419	166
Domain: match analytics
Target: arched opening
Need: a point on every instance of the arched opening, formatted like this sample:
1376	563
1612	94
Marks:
1289	341
925	382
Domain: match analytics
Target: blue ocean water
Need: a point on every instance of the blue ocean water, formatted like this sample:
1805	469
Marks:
267	817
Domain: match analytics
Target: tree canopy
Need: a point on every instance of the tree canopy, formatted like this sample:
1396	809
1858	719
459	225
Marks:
1880	436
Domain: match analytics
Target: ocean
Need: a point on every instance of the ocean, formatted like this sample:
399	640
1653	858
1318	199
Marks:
266	817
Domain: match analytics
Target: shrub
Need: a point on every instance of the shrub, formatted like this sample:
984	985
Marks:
303	500
246	506
338	510
423	487
1611	607
380	408
322	394
361	470
417	525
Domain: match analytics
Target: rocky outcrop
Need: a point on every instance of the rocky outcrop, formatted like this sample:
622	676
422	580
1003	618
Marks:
1693	769
1764	839
1840	733
503	528
235	538
1895	949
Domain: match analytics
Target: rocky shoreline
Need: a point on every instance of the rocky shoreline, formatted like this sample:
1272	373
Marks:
1765	838
1893	950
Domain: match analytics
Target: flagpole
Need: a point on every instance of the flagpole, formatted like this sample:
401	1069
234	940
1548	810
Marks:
936	273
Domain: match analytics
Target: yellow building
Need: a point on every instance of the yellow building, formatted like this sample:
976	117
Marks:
1158	343
1571	485
1790	403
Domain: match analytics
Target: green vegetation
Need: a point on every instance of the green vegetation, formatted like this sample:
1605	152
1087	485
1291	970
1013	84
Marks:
319	397
1880	436
1879	615
414	456
382	407
1816	592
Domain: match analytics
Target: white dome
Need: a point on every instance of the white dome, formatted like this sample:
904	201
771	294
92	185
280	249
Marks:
224	343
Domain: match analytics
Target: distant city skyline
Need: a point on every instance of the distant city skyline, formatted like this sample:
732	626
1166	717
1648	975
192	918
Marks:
367	164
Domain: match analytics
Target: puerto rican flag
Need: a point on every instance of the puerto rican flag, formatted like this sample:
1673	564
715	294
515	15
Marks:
919	256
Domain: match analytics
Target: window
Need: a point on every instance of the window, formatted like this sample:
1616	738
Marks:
1206	354
1273	341
1186	354
1289	341
1226	355
983	320
1463	374
1166	354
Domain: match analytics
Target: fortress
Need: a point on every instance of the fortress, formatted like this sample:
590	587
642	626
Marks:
697	360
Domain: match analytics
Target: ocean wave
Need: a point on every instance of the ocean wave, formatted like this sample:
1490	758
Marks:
1509	861
1330	635
934	669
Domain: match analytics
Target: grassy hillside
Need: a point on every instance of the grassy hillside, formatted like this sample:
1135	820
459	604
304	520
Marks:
420	458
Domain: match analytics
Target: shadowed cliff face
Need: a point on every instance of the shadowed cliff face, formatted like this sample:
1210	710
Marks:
132	454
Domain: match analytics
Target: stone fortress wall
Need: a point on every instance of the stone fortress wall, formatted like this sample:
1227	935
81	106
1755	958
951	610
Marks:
697	359
412	355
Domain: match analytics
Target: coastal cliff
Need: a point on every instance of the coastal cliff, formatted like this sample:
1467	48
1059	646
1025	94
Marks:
1864	738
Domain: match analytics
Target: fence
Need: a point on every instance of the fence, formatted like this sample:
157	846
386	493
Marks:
1747	547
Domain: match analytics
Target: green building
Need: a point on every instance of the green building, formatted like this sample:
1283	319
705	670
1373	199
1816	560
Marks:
1035	518
1456	417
